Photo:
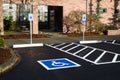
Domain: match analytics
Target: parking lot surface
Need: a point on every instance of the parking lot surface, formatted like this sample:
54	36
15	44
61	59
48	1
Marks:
95	61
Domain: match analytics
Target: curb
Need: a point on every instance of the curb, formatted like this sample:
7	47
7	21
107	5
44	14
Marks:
10	64
90	41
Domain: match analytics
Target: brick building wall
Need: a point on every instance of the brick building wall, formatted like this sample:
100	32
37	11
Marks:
1	19
70	5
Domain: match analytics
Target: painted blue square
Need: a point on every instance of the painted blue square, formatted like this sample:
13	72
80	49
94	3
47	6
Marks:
58	63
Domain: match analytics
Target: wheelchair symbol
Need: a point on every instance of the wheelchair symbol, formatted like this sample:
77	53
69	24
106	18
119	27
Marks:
54	63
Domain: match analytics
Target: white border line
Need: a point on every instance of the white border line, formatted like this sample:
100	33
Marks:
43	65
76	64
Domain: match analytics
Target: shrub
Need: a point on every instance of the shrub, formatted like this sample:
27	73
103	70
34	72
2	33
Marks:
8	22
2	43
74	21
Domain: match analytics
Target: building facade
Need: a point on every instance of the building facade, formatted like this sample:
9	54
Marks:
49	14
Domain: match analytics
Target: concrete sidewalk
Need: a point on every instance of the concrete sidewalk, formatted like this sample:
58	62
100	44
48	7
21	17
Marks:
59	38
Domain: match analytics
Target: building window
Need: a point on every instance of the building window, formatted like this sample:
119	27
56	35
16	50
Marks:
10	10
43	13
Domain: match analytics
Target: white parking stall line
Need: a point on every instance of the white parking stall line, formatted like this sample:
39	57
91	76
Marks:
51	44
101	49
66	46
105	41
80	50
59	45
115	58
78	57
72	54
100	57
89	53
113	41
107	63
72	48
96	61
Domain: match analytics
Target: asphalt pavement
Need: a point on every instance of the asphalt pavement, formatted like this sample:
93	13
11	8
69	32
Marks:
98	61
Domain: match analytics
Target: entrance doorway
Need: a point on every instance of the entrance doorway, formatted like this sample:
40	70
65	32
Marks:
50	18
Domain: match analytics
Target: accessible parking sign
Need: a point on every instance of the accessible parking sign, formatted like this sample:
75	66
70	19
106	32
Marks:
83	18
53	64
30	17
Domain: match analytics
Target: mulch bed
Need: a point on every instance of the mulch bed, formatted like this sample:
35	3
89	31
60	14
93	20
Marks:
23	36
5	55
80	34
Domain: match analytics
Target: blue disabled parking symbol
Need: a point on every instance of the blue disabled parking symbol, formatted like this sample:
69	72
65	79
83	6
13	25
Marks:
53	64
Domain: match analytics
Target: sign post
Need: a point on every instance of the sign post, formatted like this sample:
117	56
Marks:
30	17
83	30
83	27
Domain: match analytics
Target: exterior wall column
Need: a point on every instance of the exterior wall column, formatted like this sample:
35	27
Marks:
1	18
35	20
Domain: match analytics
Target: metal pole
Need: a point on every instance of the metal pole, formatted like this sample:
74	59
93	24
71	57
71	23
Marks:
86	12
30	24
85	23
84	32
30	32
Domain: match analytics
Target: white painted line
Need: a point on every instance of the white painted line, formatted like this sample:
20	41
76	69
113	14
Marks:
101	49
105	41
89	53
59	65
27	45
115	58
43	65
78	57
80	50
113	41
72	54
51	44
93	41
72	48
59	45
66	46
100	57
107	63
